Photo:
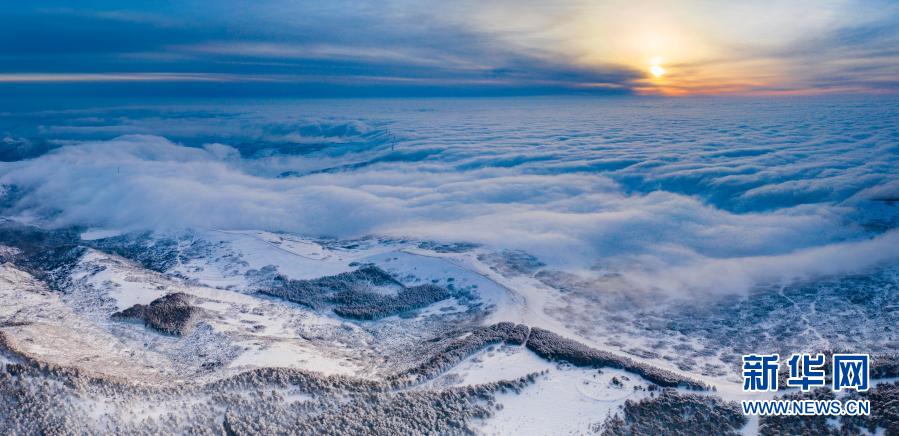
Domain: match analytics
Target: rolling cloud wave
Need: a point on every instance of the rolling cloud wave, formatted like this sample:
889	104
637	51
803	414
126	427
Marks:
687	197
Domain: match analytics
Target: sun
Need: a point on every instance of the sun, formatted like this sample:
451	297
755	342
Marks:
655	67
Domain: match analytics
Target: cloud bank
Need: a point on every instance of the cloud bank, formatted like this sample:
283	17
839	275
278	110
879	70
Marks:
688	198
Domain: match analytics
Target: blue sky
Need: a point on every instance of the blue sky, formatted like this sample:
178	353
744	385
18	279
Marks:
400	47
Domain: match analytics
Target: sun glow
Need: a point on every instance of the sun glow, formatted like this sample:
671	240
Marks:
655	68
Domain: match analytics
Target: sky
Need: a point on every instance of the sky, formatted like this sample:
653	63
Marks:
449	48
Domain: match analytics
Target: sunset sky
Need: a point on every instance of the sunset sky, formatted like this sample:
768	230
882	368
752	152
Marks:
466	47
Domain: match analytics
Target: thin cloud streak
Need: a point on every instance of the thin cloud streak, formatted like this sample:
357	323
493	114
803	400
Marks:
114	77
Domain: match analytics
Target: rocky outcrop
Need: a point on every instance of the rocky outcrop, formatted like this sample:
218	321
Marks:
171	314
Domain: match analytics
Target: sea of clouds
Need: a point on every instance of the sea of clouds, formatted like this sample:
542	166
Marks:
685	196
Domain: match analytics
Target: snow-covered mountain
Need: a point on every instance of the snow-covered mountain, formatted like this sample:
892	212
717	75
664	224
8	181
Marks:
553	266
251	331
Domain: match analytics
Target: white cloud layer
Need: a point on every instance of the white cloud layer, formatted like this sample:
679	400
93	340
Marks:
653	204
